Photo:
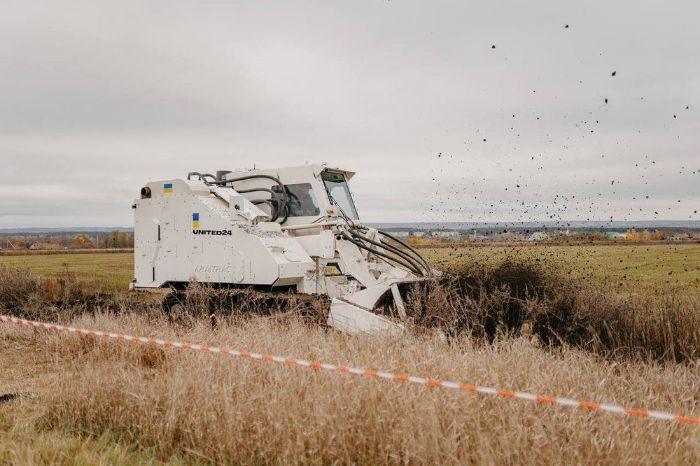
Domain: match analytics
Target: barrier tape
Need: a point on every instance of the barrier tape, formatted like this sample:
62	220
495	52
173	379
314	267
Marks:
548	400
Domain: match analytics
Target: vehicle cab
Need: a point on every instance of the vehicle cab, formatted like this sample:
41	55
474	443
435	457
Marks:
310	191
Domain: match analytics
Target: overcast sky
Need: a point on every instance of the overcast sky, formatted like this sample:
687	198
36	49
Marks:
97	98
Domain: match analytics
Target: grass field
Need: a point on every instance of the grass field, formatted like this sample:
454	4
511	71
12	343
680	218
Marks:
107	272
83	401
653	267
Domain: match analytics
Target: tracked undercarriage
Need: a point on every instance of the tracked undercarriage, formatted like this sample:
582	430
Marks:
218	303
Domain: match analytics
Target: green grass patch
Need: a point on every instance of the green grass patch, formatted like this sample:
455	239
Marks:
98	272
655	268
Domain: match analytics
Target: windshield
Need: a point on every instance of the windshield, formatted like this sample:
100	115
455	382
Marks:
339	193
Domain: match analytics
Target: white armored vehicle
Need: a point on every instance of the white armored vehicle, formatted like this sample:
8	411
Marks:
288	229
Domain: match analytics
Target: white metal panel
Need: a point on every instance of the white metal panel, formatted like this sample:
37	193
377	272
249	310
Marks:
349	318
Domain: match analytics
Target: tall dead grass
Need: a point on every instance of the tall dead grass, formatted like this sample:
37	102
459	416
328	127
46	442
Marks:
60	298
482	302
209	408
202	300
505	299
223	410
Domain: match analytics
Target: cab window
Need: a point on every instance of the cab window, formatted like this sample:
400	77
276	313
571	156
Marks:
302	202
339	193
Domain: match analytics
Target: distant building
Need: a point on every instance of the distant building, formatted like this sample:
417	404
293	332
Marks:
615	235
538	236
680	237
451	235
475	237
418	234
509	236
401	234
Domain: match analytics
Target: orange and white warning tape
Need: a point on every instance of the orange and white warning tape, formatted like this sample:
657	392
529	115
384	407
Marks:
549	400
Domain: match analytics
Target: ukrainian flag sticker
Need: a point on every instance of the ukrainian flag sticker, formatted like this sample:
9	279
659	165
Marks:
168	187
195	221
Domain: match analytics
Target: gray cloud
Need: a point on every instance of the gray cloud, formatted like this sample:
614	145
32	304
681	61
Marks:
98	97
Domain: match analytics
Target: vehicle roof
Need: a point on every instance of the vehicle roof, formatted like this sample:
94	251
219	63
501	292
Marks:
315	168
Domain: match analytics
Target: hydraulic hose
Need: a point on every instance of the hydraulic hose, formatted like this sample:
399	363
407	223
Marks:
361	245
284	198
414	253
278	202
253	190
417	255
425	270
201	176
286	214
270	202
415	265
274	198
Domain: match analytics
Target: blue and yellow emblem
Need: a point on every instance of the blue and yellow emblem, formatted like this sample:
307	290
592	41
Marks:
167	187
195	221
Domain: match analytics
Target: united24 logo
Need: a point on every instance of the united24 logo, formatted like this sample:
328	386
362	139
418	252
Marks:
197	231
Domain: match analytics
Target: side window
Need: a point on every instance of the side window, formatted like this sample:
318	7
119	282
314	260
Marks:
302	202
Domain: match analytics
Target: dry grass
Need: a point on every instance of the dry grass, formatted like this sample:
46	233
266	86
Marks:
26	446
480	301
501	299
219	409
98	402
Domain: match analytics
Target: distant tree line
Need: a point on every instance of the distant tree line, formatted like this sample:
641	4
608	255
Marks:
111	240
646	235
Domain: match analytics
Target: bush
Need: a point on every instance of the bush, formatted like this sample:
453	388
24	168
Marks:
29	296
513	298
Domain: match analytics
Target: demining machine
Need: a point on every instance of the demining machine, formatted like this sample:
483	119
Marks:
287	230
